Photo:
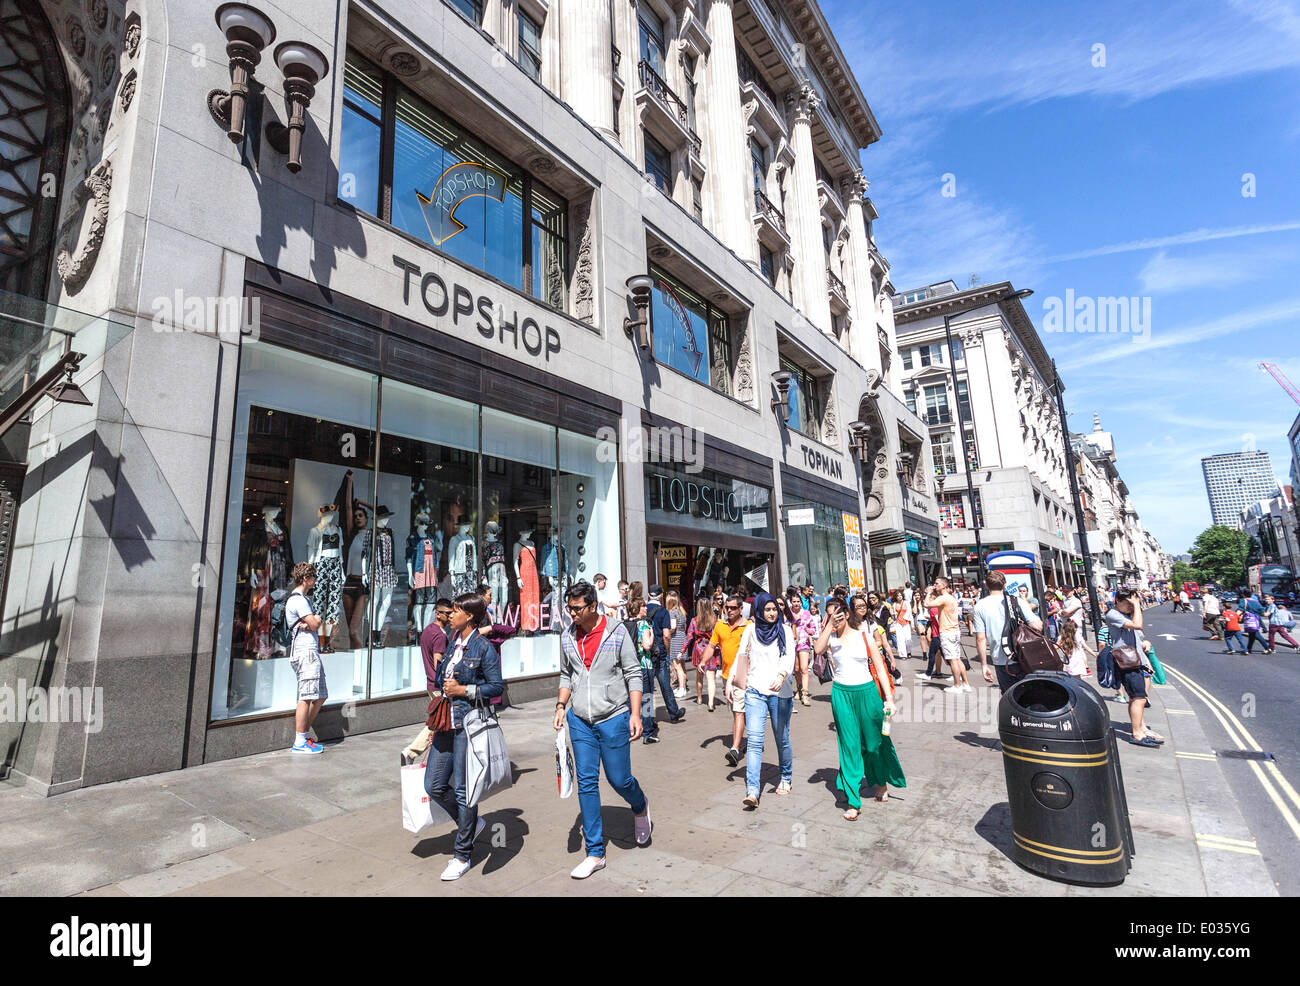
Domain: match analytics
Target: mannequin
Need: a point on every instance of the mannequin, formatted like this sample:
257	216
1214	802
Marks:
529	595
356	587
422	553
494	565
384	575
325	551
268	562
462	561
555	562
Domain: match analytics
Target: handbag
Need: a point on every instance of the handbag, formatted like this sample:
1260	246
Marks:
871	665
822	667
487	760
438	714
1032	650
1125	658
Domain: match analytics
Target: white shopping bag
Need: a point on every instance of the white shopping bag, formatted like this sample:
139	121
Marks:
487	761
563	763
419	811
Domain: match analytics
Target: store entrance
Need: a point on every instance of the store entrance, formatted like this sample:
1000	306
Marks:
694	571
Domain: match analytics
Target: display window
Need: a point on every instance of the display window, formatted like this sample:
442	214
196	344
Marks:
400	497
815	552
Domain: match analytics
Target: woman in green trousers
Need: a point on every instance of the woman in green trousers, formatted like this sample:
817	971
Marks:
866	752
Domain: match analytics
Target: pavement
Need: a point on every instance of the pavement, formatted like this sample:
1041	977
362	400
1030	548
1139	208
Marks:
281	824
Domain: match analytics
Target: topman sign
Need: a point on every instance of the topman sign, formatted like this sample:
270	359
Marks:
818	461
444	299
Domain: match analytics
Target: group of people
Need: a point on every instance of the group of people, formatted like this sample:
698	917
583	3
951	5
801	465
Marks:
1248	624
617	646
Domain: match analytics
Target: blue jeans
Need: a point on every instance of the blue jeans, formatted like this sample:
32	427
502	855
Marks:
934	662
609	742
1230	635
758	709
444	780
664	677
648	725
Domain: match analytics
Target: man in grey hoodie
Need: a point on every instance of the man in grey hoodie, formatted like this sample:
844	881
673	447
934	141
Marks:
600	686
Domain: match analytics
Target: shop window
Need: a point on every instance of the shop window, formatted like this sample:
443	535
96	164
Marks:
802	401
450	189
431	497
816	551
690	335
659	165
952	511
530	46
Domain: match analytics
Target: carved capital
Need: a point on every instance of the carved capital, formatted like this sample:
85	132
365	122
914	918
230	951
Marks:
802	102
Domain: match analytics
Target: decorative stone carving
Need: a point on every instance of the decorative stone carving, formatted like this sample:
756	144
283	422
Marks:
583	280
972	338
404	63
875	506
541	164
131	42
747	113
803	102
107	65
660	252
882	473
77	37
75	268
127	92
744	389
98	10
830	423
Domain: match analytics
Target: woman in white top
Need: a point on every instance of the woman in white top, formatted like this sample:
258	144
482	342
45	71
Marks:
763	667
858	680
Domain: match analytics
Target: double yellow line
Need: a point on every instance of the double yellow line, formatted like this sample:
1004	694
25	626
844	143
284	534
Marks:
1267	772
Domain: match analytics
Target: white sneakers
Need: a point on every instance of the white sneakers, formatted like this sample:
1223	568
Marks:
959	689
587	867
643	826
455	869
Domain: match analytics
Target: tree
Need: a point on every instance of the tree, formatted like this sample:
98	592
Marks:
1181	572
1219	554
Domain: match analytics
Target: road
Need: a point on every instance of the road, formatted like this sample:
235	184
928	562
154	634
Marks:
1260	698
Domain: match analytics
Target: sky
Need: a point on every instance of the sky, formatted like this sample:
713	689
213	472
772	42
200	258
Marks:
1149	151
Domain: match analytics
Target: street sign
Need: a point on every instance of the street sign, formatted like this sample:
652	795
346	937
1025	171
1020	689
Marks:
913	545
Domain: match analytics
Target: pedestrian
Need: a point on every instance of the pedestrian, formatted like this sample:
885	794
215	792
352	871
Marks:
902	625
967	604
862	697
1023	591
1053	613
763	671
1211	613
1072	606
727	633
698	635
1279	623
1075	649
433	644
470	671
660	618
875	611
641	633
1232	628
1253	619
304	657
805	632
607	596
677	620
992	641
600	685
938	596
1124	619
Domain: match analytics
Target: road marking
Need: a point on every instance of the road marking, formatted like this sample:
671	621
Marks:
1196	756
1227	848
1219	710
1224	838
1179	712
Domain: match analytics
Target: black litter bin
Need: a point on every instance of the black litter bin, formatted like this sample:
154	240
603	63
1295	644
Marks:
1069	816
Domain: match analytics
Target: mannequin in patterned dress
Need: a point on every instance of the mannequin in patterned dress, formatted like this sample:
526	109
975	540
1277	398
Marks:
383	575
494	567
268	564
529	590
325	551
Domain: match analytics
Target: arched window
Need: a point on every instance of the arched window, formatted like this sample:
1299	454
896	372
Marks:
34	123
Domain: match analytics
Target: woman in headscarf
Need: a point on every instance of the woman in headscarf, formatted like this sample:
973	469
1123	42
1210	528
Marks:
763	671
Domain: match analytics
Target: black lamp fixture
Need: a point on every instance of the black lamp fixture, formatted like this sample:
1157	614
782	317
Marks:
248	31
303	66
859	437
638	286
781	380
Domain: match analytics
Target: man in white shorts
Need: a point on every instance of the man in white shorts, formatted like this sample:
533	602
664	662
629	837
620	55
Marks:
938	597
304	657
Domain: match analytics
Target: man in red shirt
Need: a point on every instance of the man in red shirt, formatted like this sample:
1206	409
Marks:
433	644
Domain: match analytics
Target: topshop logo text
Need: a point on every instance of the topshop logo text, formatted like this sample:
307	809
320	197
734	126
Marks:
459	300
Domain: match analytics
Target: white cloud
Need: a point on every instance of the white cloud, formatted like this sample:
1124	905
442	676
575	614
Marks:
1178	239
1167	275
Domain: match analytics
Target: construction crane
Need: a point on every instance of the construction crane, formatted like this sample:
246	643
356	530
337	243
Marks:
1272	370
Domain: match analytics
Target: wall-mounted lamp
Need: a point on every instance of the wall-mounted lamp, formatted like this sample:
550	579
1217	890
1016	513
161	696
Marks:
303	66
905	460
860	438
247	32
639	285
781	380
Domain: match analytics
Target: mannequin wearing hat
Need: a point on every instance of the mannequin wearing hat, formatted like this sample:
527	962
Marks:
384	574
325	551
268	560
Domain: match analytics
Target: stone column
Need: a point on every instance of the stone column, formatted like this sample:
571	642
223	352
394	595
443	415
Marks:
806	241
727	157
864	342
586	62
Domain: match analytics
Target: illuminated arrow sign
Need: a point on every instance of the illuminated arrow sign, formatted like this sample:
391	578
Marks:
692	348
459	182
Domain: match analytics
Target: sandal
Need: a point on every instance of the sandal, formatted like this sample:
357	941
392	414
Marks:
851	815
883	795
783	787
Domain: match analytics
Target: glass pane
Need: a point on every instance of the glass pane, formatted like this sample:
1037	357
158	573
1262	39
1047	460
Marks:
426	548
470	8
305	440
359	162
550	255
680	335
363	85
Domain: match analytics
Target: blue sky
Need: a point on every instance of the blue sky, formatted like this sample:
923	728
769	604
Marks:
1123	179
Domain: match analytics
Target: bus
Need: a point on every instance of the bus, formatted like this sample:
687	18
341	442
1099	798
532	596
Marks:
1271	580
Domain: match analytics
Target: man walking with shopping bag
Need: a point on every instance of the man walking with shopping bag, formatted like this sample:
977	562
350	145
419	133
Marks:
600	676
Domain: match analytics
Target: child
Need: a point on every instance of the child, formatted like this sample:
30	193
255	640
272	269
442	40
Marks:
1075	649
1232	627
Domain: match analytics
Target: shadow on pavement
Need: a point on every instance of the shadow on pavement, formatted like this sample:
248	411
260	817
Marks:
995	828
515	829
971	738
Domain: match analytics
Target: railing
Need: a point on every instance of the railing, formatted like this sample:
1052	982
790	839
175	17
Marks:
696	142
749	73
835	283
651	80
768	209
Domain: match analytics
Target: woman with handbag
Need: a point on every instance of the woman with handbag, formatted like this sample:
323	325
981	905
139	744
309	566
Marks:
862	702
470	672
698	635
763	670
1132	667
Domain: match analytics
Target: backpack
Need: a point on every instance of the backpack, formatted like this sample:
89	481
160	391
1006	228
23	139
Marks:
281	632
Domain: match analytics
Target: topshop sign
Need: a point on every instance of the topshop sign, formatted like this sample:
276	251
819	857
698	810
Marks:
715	503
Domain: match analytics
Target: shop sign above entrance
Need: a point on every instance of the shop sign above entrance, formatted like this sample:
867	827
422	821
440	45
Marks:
816	460
707	500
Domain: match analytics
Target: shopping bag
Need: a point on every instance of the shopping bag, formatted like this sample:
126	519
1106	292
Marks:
1158	669
487	761
563	763
419	811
